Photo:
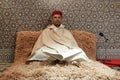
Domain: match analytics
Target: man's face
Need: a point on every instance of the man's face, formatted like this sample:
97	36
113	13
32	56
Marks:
57	20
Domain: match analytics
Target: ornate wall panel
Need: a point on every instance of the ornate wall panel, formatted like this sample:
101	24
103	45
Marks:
89	15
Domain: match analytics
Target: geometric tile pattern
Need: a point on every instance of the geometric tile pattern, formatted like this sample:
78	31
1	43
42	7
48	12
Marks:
89	15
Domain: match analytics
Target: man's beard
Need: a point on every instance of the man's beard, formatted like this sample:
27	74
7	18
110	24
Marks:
57	25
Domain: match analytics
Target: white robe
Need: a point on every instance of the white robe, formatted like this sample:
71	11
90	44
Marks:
54	42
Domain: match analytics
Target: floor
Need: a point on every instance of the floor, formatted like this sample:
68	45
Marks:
116	68
3	66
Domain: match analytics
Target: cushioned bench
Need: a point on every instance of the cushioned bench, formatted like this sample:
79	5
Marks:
44	71
26	39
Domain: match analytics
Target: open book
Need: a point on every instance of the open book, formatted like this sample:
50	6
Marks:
64	56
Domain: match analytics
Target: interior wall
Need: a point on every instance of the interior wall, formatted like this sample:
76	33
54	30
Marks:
89	15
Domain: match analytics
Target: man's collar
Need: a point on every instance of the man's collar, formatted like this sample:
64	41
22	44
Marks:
53	26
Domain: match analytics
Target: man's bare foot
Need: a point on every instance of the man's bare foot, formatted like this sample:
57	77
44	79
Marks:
28	62
55	62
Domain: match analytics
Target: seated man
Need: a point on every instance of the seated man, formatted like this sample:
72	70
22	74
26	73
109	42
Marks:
57	44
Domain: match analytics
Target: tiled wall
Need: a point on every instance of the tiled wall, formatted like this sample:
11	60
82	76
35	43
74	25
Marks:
90	15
